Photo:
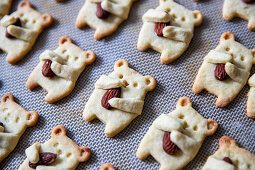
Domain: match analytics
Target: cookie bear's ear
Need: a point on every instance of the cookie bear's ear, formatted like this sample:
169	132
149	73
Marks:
253	53
121	63
212	126
58	130
226	140
7	97
151	83
184	101
85	153
23	4
64	39
32	118
47	20
198	17
227	36
90	57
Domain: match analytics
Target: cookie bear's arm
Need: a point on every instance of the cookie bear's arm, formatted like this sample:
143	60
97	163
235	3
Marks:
22	33
32	153
63	71
106	82
7	20
162	123
130	105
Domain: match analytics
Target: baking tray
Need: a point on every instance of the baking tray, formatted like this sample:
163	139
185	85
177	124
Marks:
173	81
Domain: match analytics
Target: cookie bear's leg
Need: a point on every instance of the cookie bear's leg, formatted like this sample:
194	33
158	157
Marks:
31	82
14	57
80	22
142	152
198	85
89	116
251	24
112	130
52	96
103	32
168	57
223	101
143	45
228	13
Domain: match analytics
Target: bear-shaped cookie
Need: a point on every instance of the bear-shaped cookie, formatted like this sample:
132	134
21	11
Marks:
58	70
19	31
230	157
225	70
60	152
5	6
103	15
175	138
168	29
118	98
251	98
244	9
13	122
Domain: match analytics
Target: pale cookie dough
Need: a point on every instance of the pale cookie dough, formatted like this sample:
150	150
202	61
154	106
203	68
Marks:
187	130
13	122
236	158
68	153
118	12
251	97
107	166
68	62
132	90
176	35
5	6
238	8
24	26
238	61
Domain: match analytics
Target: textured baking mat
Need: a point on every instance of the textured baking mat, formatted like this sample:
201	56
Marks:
174	81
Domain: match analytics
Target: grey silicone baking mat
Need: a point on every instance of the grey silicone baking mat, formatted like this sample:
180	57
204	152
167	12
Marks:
173	81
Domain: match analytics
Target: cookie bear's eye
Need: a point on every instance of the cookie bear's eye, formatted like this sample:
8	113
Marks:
121	76
183	18
135	84
76	58
181	116
68	154
168	9
63	51
227	48
242	58
33	21
195	128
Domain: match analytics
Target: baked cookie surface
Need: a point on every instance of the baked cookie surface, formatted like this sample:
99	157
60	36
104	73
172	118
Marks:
241	9
59	70
118	98
61	153
168	29
19	31
174	139
5	6
230	157
225	70
13	122
103	15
